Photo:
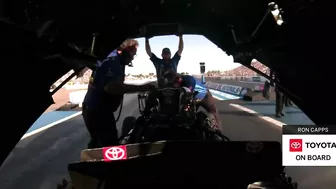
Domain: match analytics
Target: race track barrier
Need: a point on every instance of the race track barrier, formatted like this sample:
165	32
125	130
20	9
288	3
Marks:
231	89
238	78
223	90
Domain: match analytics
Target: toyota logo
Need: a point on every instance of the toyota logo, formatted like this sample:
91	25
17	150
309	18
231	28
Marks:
115	153
295	145
254	146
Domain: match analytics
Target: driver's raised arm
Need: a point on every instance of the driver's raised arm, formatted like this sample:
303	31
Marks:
148	48
176	58
152	56
180	46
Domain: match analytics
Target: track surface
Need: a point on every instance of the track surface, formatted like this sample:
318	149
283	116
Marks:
40	161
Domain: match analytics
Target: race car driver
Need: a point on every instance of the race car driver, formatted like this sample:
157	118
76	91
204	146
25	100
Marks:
167	62
207	100
105	94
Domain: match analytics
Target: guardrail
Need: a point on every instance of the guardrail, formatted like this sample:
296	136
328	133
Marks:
237	78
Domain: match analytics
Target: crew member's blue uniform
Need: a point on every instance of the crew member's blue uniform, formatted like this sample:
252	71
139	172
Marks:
161	66
99	106
108	70
194	84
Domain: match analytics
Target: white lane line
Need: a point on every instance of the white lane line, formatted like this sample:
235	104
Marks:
50	125
265	118
225	95
217	98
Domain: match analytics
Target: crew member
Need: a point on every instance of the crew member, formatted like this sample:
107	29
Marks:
166	63
287	101
105	94
207	100
279	97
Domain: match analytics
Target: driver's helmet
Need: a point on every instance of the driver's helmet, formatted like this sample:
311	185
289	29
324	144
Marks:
172	79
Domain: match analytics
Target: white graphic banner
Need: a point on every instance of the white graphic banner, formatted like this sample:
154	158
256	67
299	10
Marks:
309	150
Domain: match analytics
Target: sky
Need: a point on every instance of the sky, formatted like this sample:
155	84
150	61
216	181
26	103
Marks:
197	49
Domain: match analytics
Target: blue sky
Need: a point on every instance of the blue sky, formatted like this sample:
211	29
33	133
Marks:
197	49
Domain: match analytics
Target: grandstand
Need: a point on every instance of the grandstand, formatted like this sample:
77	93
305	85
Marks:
241	71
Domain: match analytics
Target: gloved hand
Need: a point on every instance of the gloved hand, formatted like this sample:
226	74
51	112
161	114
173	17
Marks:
143	32
179	31
147	37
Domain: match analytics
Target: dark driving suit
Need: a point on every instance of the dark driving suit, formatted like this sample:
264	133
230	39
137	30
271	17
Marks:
279	97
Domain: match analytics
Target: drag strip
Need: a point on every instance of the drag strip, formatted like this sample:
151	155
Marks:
40	161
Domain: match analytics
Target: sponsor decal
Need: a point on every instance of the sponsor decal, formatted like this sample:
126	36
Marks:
295	145
308	149
256	79
231	89
254	146
115	153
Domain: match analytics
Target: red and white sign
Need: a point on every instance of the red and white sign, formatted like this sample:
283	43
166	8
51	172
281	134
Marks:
308	150
115	153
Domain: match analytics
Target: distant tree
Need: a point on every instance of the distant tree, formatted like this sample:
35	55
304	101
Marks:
182	73
187	73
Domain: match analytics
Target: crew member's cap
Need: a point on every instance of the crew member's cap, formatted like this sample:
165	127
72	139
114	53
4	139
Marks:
166	50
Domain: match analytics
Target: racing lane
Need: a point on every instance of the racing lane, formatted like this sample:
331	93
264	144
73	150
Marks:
40	161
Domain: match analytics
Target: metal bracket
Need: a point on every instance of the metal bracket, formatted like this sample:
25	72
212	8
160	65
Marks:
234	35
260	23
